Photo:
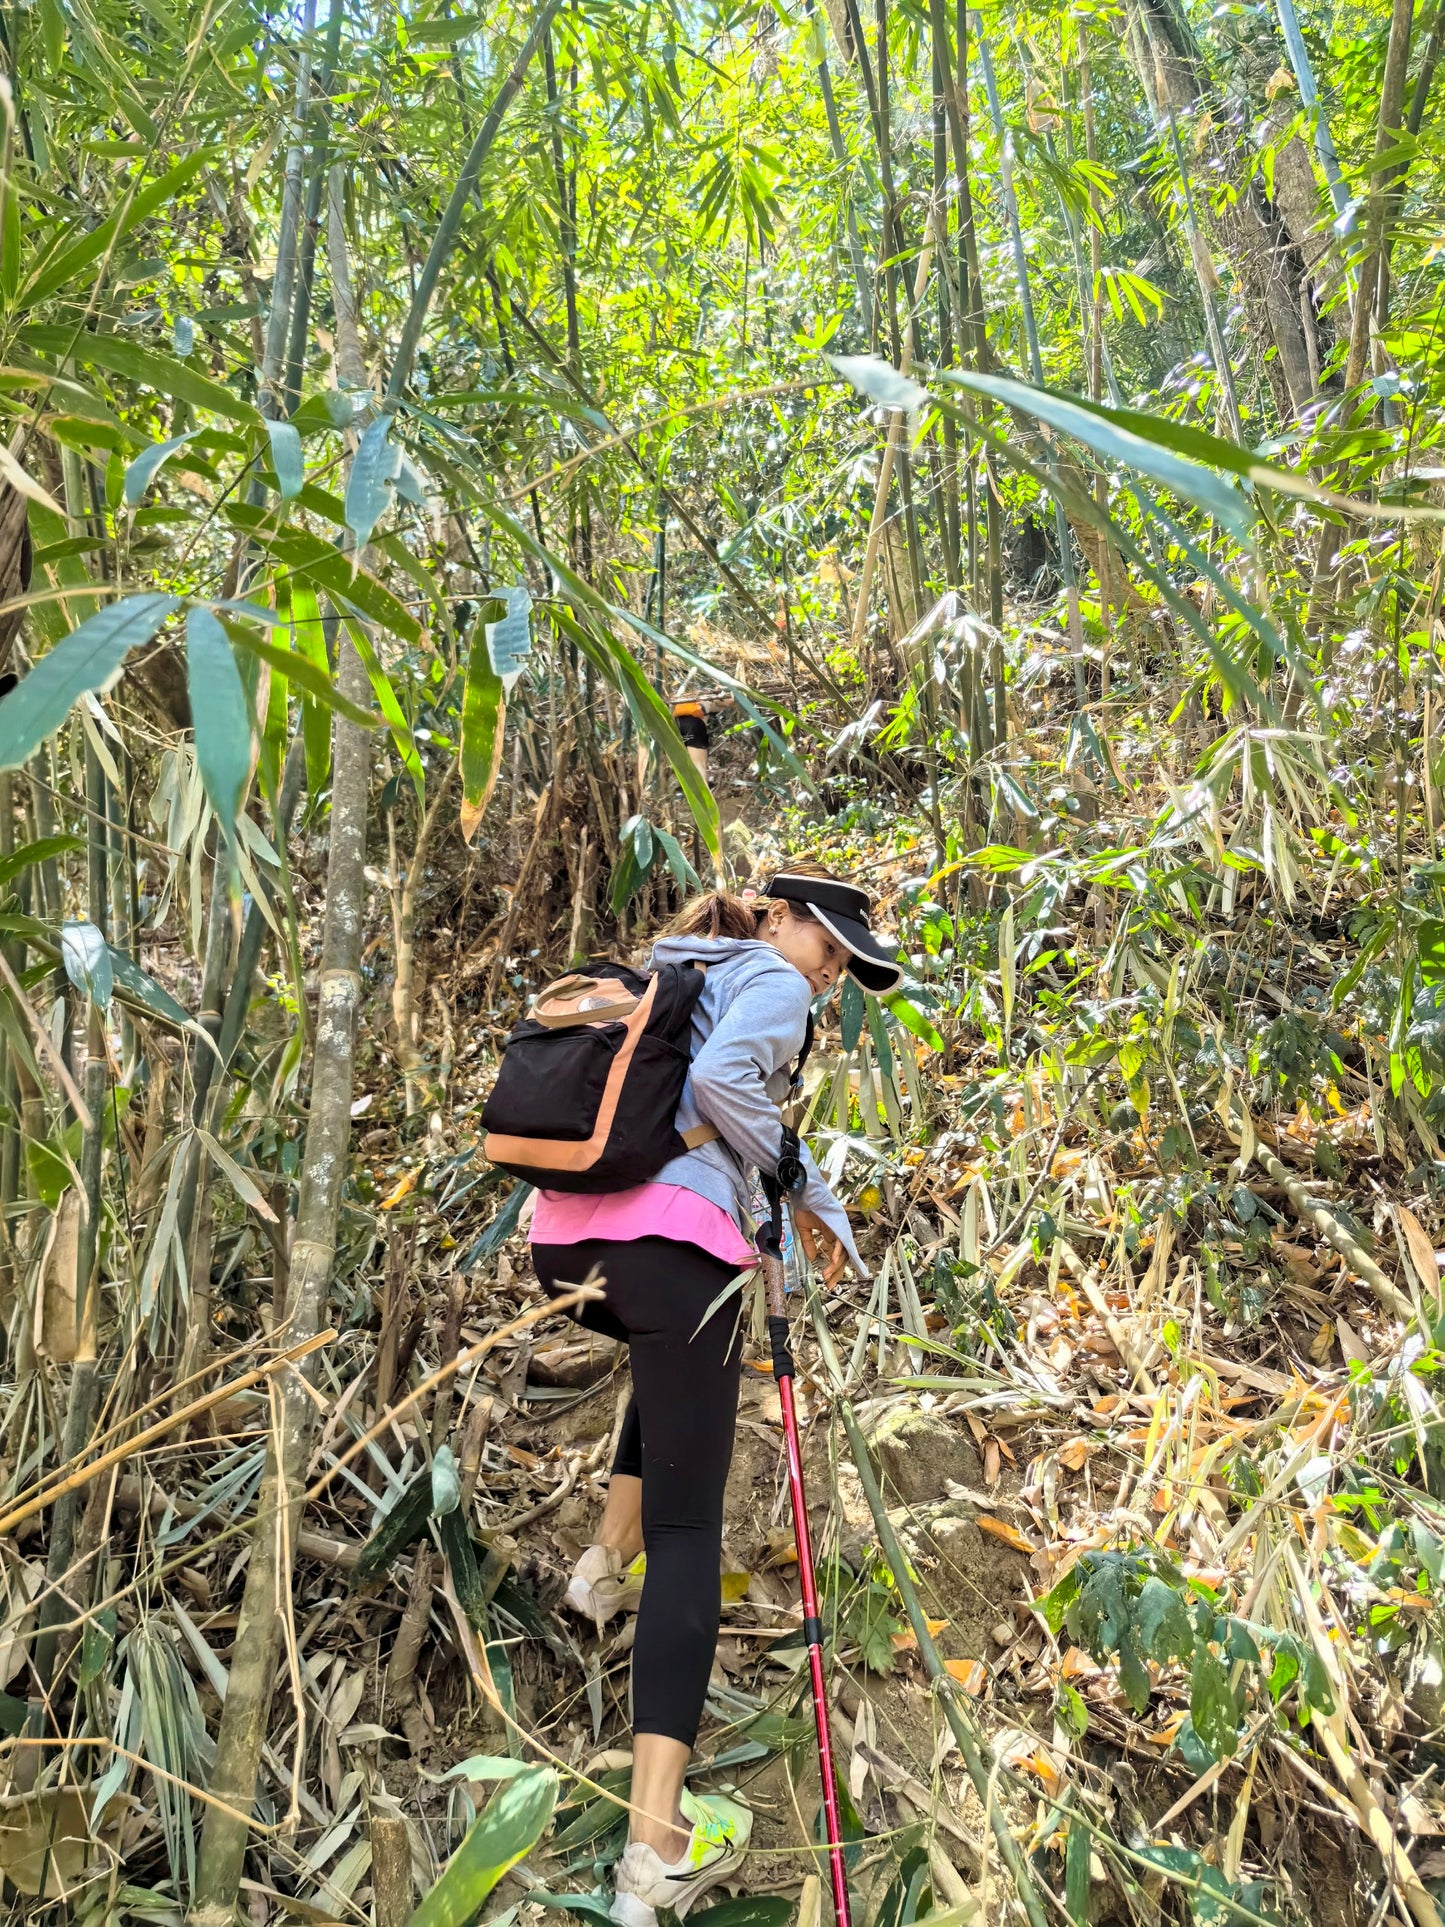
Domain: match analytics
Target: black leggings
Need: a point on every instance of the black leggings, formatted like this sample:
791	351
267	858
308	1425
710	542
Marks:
677	1437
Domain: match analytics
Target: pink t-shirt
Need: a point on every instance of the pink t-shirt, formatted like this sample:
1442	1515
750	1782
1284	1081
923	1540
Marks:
643	1211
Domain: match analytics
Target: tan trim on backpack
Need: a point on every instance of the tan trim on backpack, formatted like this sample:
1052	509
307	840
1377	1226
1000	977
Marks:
700	1134
560	1006
555	1154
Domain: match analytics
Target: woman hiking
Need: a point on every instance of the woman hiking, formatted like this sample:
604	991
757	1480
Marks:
668	1250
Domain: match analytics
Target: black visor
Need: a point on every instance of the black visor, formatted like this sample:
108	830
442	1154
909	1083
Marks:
843	910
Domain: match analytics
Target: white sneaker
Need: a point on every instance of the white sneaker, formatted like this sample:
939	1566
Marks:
603	1585
721	1829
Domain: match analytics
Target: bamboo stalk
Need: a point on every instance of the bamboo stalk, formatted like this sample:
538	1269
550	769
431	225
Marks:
1062	531
278	323
247	1708
1387	134
445	237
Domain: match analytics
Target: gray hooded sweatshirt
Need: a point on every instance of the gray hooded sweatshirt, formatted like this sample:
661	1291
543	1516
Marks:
747	1029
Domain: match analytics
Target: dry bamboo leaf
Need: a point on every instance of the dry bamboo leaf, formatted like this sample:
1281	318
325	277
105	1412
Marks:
1001	1529
1419	1251
57	1337
1073	1454
971	1674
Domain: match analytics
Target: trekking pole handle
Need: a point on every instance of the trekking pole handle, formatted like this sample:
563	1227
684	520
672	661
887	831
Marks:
774	1286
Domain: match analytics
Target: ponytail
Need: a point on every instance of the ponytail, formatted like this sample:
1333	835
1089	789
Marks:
718	914
721	913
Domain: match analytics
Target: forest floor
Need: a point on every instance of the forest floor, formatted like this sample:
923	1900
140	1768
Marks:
1066	1357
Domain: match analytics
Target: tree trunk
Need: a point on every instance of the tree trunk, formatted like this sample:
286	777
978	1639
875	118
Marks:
1267	266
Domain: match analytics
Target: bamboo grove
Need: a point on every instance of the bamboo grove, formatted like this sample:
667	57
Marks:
402	406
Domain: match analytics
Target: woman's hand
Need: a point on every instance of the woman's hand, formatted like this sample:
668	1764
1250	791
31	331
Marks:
818	1240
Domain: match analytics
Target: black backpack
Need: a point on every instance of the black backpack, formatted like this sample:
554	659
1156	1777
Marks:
589	1084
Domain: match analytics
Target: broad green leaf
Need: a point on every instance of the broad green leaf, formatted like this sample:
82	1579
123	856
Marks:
879	381
514	1821
220	714
40	851
1164	1626
1115	442
404	1524
1431	938
369	486
652	716
89	658
144	469
316	682
86	956
1212	1704
484	713
749	1910
64	265
287	459
1200	445
163	373
596	1907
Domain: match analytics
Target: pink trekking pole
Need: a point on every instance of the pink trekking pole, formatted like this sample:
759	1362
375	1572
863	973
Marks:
770	1244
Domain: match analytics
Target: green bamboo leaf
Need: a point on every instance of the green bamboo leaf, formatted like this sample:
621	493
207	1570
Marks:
287	459
220	713
305	674
484	715
405	1523
240	1181
308	639
913	1019
370	485
163	373
40	851
63	265
682	870
144	469
89	658
879	381
1076	1876
851	1011
86	956
137	986
325	567
509	637
514	1821
1114	441
390	707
